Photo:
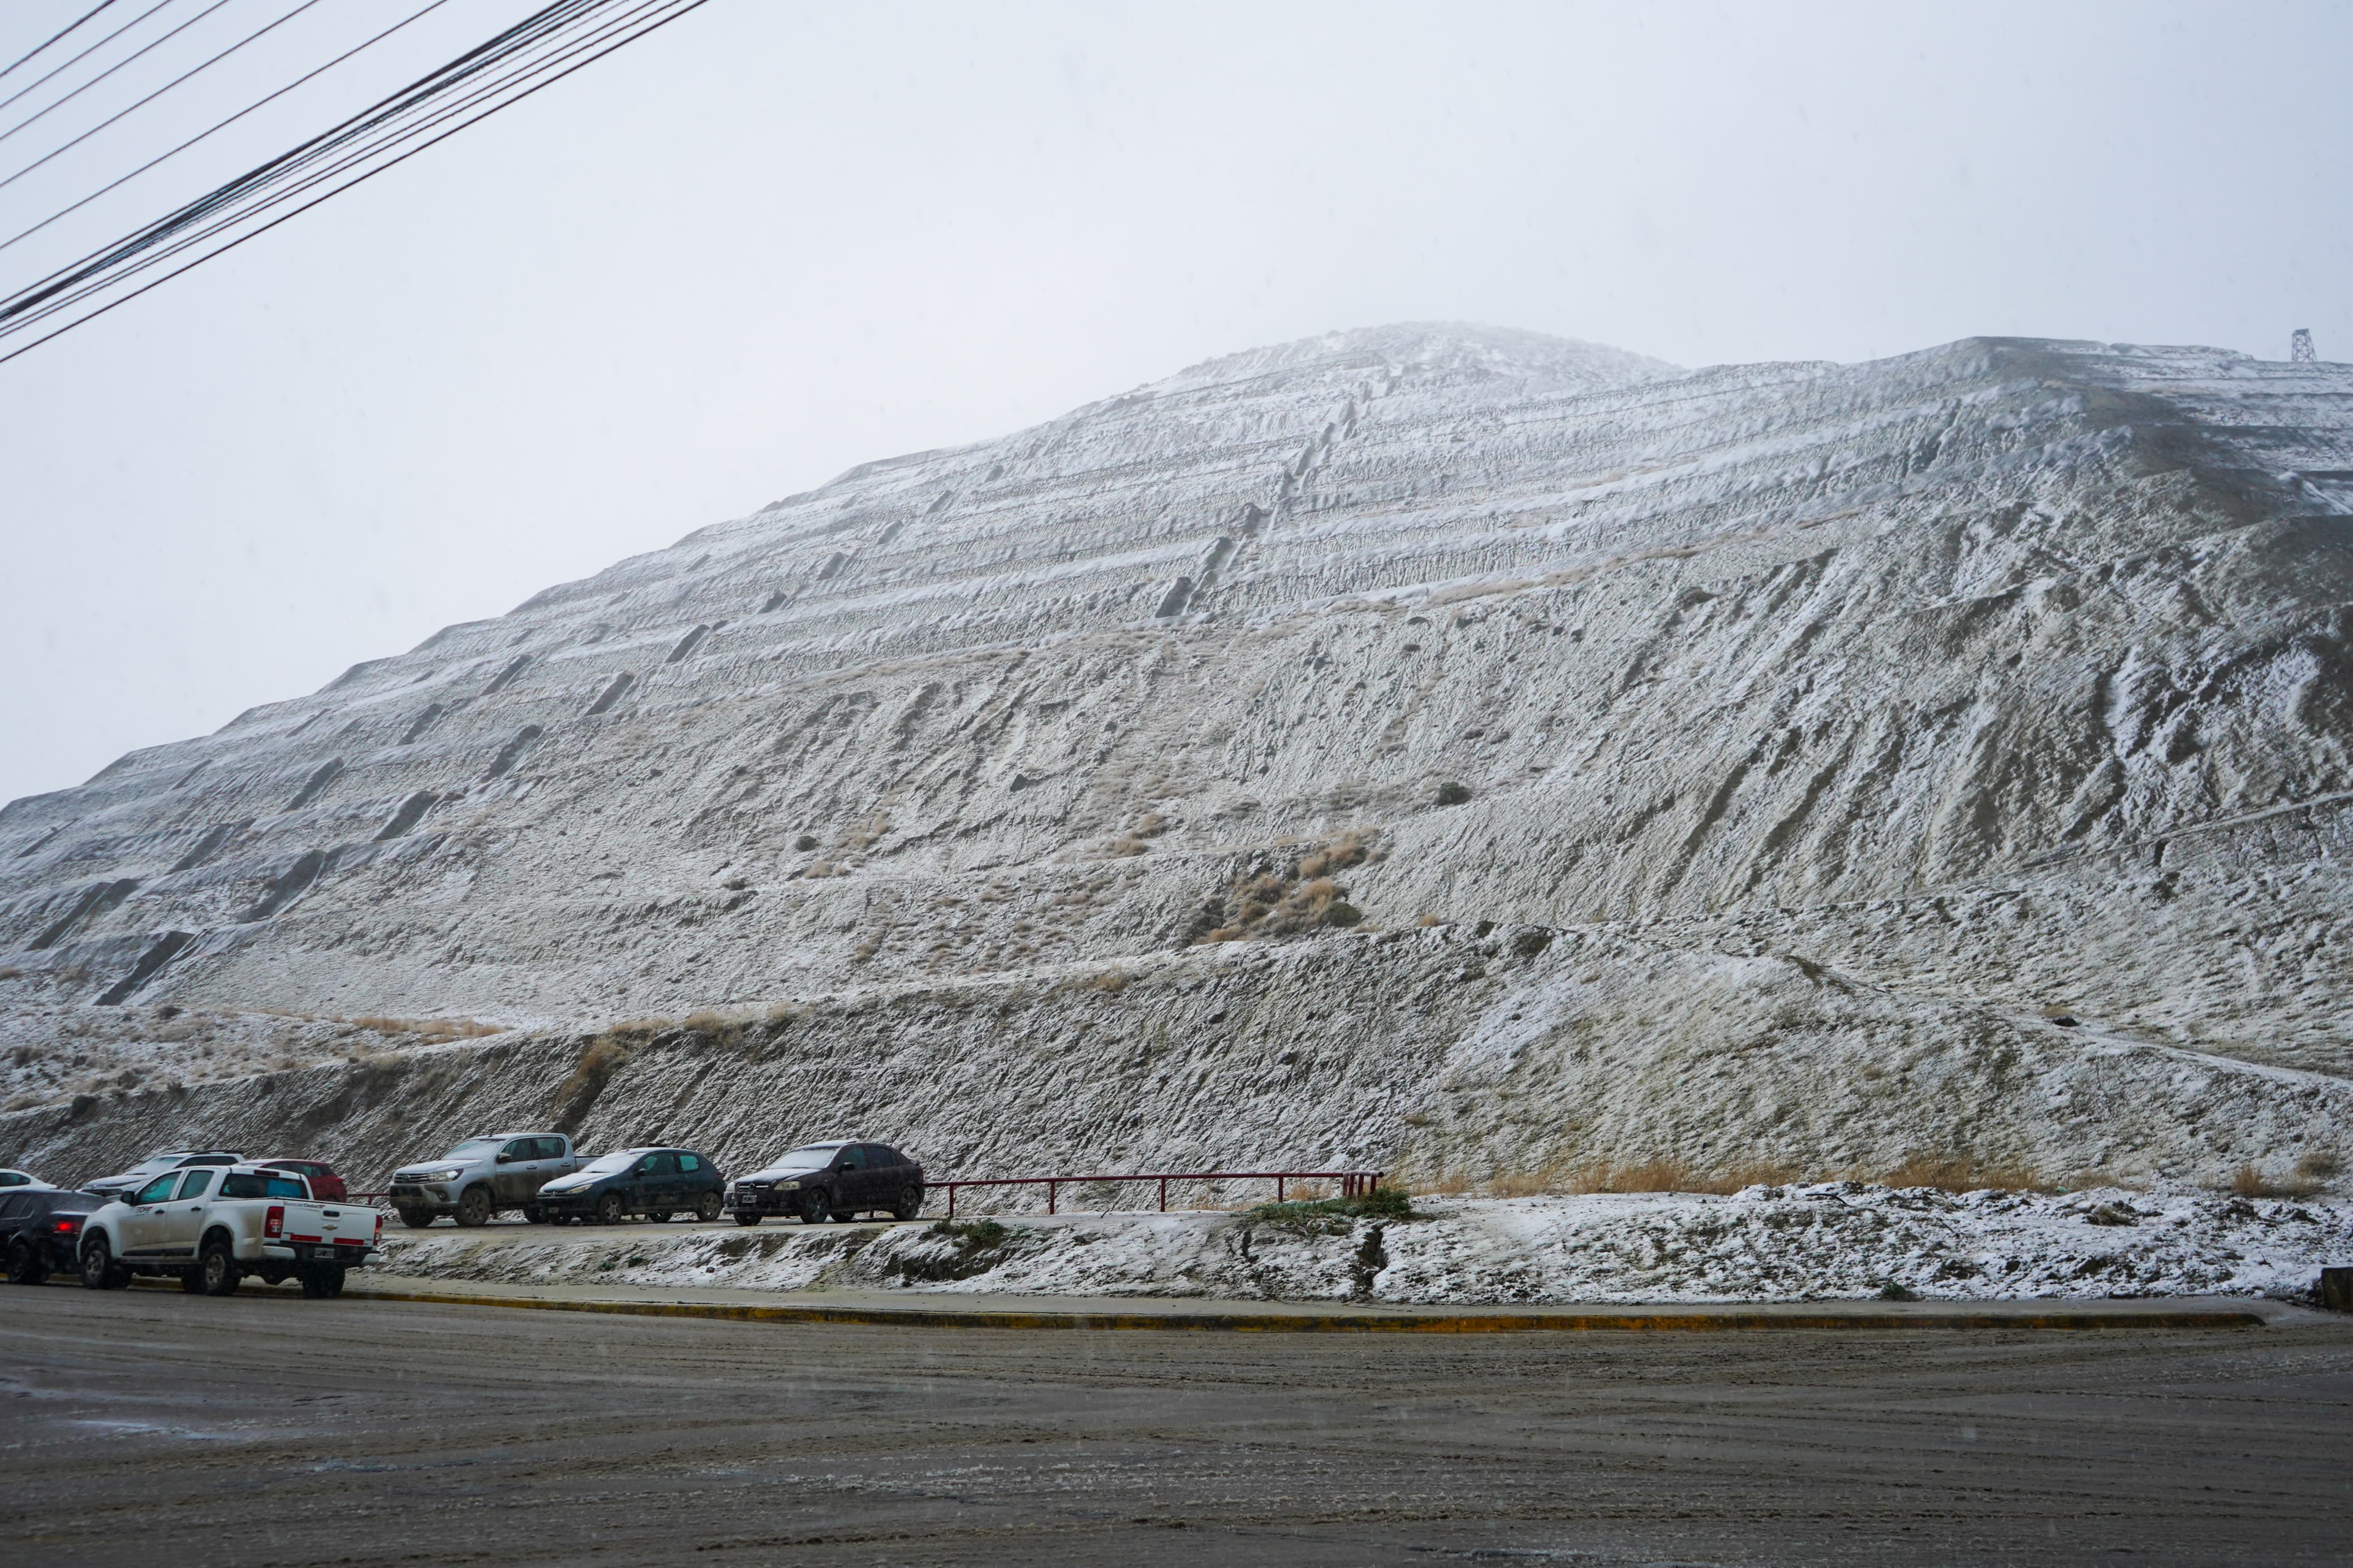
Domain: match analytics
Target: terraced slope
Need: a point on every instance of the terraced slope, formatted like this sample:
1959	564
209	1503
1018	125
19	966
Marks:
1997	682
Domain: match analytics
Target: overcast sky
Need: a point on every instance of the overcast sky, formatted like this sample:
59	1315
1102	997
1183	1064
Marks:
773	240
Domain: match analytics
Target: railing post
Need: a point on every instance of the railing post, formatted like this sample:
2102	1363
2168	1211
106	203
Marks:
1278	1189
1164	1195
1050	1188
952	1187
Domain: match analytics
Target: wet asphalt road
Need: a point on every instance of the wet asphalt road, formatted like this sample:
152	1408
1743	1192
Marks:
144	1427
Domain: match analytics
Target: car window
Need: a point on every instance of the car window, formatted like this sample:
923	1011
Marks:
196	1183
689	1162
158	1190
14	1206
550	1148
665	1163
521	1149
260	1186
15	1179
851	1160
209	1160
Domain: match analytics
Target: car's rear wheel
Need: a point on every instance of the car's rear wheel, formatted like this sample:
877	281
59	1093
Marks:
608	1209
659	1216
474	1206
417	1219
911	1202
25	1267
812	1208
706	1208
218	1268
98	1269
743	1217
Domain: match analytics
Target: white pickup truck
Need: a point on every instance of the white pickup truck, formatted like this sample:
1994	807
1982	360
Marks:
214	1226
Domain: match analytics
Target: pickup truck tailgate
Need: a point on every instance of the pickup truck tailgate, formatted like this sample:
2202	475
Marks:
329	1224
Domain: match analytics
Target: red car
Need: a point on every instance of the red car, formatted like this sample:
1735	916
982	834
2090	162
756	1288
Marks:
326	1187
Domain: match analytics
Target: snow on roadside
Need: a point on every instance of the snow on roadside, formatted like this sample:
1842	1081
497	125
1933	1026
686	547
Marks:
1824	1241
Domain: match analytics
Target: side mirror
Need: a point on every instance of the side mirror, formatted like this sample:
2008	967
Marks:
507	1159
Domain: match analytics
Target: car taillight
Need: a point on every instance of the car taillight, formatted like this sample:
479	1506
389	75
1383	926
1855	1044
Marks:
68	1225
274	1222
379	1225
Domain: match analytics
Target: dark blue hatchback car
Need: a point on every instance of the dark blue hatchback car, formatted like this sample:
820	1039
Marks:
655	1183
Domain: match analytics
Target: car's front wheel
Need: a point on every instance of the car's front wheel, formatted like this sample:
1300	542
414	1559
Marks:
474	1206
98	1269
813	1207
659	1216
25	1267
218	1268
323	1284
533	1215
706	1208
746	1217
417	1219
608	1209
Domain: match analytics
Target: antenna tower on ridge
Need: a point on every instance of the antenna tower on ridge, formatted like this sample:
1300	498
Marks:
2299	347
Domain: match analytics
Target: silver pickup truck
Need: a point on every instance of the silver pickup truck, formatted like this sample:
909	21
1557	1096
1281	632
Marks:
483	1176
214	1224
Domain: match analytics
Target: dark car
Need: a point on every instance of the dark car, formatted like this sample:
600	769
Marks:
326	1187
818	1182
40	1231
655	1183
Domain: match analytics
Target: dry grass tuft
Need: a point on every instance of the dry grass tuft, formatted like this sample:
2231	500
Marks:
575	1095
435	1030
1965	1173
1673	1175
2249	1182
1285	900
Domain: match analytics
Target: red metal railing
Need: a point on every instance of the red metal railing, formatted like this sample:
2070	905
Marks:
1352	1183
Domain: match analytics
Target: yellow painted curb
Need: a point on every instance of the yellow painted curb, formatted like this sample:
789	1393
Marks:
1349	1322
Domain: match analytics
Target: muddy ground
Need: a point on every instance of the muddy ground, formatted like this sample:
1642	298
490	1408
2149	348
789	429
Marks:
269	1429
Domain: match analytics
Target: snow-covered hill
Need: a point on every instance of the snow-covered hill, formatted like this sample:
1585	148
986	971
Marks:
1936	725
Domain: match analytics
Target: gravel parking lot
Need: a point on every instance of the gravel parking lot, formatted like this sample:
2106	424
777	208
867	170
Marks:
269	1429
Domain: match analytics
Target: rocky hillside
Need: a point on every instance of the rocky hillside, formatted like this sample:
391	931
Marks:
1540	755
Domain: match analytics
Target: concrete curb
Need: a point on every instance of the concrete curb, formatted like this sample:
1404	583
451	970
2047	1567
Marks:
1702	1320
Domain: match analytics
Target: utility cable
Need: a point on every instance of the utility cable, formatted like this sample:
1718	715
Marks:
551	19
159	93
110	71
53	37
50	300
101	43
680	9
222	125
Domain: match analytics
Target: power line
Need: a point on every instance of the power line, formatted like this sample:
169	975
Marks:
551	22
159	93
101	43
222	125
53	37
110	71
107	270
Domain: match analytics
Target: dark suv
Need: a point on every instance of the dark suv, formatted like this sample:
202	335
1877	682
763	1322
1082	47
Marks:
818	1182
655	1183
40	1232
